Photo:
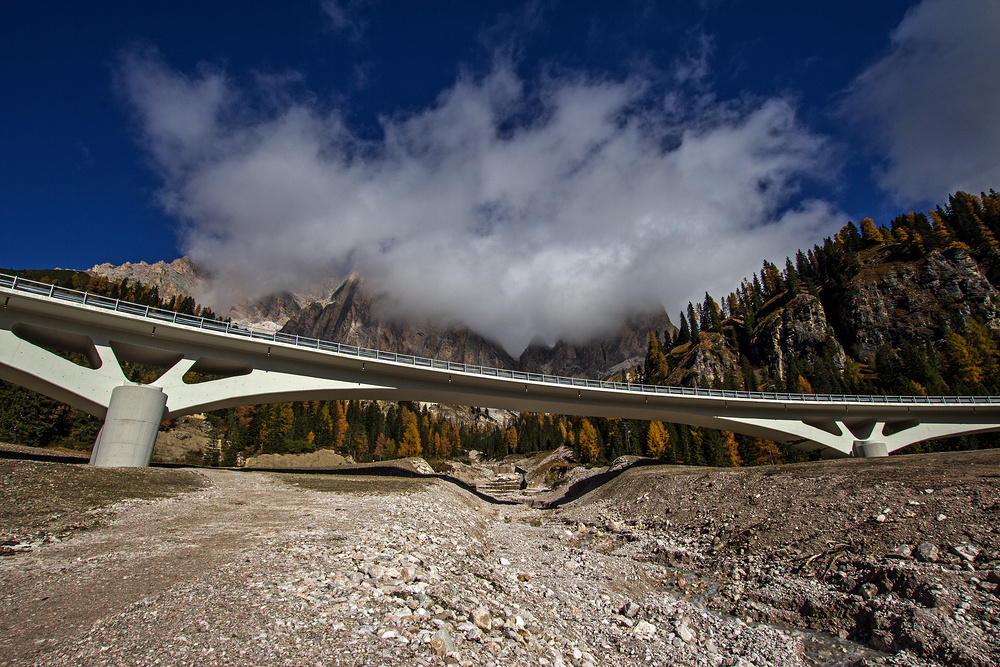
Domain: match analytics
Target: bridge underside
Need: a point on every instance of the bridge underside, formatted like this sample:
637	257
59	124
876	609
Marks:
248	372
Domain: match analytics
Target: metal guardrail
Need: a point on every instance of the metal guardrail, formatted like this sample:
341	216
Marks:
18	284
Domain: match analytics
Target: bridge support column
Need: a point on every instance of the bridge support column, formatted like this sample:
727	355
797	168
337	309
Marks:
129	432
868	449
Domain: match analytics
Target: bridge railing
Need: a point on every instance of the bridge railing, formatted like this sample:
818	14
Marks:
19	284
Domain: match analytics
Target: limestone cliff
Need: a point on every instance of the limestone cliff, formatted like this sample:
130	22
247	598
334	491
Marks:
355	316
896	299
704	364
605	358
797	329
177	278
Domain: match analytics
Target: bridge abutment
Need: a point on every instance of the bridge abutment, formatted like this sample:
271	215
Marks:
869	449
126	440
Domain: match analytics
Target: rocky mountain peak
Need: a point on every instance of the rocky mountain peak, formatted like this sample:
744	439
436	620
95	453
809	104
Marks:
180	277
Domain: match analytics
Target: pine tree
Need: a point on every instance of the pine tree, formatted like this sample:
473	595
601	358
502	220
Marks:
965	368
693	323
710	315
684	336
791	277
656	361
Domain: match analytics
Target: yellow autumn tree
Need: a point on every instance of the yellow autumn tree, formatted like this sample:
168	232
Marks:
942	237
964	364
589	441
656	440
410	444
510	439
730	449
563	435
870	233
339	421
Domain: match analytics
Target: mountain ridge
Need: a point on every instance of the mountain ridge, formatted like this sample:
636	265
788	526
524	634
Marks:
353	314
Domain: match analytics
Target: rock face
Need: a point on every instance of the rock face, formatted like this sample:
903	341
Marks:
182	277
797	330
617	354
705	364
895	300
178	278
355	317
271	311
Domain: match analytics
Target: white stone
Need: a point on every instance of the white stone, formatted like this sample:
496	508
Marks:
644	630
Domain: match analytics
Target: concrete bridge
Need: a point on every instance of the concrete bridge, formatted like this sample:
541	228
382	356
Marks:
255	366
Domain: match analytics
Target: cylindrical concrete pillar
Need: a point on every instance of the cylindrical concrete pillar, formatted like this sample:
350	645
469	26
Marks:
130	427
868	449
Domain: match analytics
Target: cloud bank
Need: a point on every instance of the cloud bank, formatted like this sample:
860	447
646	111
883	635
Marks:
526	210
933	101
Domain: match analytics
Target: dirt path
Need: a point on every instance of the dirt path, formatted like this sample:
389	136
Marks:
153	546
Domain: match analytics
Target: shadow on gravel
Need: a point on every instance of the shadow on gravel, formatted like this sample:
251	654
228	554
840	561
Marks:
50	458
72	458
585	486
382	471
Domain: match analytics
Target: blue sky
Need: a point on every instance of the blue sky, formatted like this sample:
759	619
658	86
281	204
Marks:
529	169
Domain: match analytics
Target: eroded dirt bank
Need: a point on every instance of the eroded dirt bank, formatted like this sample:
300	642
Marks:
660	566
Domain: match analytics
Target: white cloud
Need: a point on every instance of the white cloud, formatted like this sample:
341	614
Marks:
552	213
343	16
933	101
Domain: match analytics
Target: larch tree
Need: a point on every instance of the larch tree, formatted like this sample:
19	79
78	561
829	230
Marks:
410	444
731	449
656	440
589	441
510	440
767	452
339	421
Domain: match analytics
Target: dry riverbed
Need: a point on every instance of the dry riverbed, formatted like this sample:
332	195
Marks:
659	566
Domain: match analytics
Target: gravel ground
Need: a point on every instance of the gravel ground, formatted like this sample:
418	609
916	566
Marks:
212	567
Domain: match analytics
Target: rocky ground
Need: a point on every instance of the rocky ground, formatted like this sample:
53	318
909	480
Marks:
660	565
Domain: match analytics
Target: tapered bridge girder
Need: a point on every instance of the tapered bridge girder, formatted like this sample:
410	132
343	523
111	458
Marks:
259	367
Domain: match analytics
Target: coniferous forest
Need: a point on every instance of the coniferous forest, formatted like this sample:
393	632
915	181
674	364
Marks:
800	326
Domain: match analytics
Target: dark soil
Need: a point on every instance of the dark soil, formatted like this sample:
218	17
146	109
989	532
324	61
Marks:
41	502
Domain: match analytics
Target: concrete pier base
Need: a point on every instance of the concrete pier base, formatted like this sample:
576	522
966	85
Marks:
129	432
869	449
